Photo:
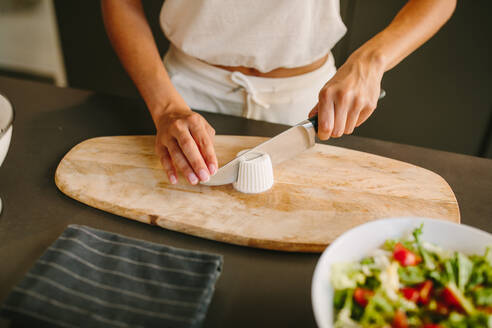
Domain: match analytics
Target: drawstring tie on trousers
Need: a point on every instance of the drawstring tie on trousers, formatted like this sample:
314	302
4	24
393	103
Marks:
243	81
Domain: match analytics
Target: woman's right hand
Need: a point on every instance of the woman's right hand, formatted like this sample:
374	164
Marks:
184	142
184	139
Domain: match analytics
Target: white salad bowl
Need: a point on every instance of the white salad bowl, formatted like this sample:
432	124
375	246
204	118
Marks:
358	242
6	121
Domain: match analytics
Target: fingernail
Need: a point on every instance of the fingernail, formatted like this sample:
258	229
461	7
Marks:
203	175
192	178
172	179
212	168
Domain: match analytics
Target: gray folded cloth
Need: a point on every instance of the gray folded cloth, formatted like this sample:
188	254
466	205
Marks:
93	278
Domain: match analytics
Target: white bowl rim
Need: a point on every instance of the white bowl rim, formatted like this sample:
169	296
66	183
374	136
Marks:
339	239
10	122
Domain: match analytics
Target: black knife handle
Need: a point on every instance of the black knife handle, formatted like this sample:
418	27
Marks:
314	119
314	122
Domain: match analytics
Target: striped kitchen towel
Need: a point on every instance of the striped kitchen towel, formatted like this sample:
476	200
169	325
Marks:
93	278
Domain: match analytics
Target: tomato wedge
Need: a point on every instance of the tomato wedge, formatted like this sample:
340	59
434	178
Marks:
362	296
411	294
420	294
449	298
405	256
425	292
399	320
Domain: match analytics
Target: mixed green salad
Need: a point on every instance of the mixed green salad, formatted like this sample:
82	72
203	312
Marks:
413	283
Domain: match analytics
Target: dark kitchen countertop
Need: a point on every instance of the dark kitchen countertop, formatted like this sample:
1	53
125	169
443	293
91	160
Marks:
258	288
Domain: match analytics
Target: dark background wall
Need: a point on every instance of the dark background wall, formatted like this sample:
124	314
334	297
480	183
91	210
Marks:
439	97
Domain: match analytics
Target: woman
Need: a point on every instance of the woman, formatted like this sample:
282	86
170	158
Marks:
267	60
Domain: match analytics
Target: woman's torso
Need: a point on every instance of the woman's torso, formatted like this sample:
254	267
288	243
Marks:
274	38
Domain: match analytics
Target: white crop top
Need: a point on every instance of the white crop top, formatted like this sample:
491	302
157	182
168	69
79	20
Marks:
261	34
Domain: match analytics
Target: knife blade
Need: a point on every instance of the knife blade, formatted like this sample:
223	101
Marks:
280	148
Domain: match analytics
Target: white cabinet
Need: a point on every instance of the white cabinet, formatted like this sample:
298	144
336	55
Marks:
29	39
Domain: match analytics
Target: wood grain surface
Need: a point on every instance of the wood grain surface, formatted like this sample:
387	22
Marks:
316	196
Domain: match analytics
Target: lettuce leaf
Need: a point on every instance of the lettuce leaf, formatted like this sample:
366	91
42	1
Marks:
465	303
482	296
479	320
411	275
426	257
346	275
343	318
464	268
378	311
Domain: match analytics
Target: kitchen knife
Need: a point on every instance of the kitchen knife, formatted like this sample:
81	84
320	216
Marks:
280	148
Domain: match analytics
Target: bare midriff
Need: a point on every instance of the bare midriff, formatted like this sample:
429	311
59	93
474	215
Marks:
278	72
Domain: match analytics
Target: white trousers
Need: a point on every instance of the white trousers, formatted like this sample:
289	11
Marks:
278	100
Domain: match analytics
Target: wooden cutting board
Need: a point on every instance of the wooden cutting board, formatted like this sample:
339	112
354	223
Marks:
316	196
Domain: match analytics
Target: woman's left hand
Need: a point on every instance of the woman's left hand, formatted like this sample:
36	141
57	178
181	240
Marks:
348	98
